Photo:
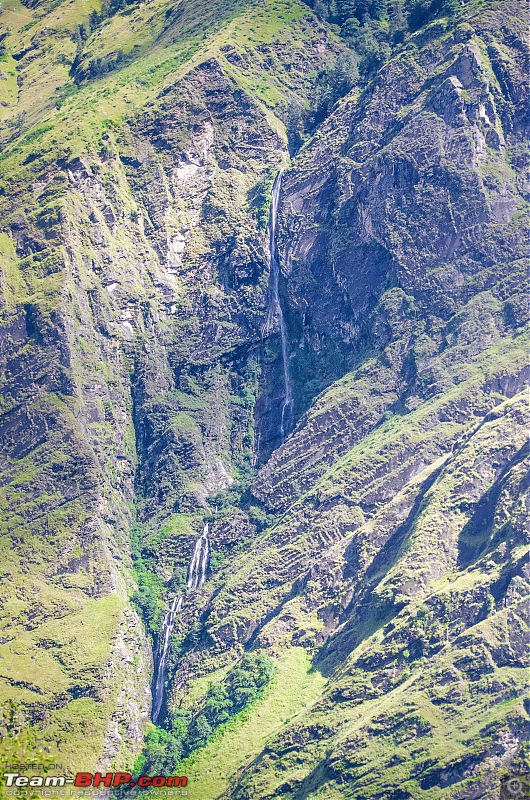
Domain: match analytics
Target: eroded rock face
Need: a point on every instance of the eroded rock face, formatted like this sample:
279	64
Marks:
385	537
416	206
395	242
135	286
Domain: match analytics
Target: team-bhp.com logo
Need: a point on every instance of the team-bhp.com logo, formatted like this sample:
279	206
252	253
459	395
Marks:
94	780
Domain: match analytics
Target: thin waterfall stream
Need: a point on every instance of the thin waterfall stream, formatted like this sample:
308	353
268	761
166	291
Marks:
196	578
167	629
275	307
199	561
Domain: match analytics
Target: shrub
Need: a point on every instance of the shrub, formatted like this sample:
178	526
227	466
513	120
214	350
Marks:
162	750
423	11
332	83
242	686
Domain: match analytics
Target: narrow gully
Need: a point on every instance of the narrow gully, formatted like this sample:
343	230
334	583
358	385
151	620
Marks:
196	579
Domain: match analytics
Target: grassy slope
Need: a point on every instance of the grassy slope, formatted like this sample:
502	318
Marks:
390	715
295	687
167	52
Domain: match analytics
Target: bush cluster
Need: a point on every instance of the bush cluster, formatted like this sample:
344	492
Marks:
99	66
243	685
331	83
147	599
370	27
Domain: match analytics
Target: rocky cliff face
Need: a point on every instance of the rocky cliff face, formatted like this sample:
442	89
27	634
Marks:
378	555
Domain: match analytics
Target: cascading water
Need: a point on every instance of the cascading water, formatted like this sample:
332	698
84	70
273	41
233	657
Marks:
199	560
167	629
275	310
196	578
197	572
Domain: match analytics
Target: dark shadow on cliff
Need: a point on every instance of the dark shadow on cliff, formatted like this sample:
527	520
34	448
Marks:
365	612
477	536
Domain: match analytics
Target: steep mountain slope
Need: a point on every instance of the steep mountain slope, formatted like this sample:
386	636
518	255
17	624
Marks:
100	312
399	558
375	560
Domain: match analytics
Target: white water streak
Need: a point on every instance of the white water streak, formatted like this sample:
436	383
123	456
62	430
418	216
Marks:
196	578
199	561
275	307
167	629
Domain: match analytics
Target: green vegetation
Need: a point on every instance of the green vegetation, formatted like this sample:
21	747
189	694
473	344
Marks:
147	599
360	630
295	687
243	686
331	83
372	27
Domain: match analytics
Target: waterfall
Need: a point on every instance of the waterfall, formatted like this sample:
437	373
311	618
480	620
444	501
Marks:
167	629
196	578
197	572
275	306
